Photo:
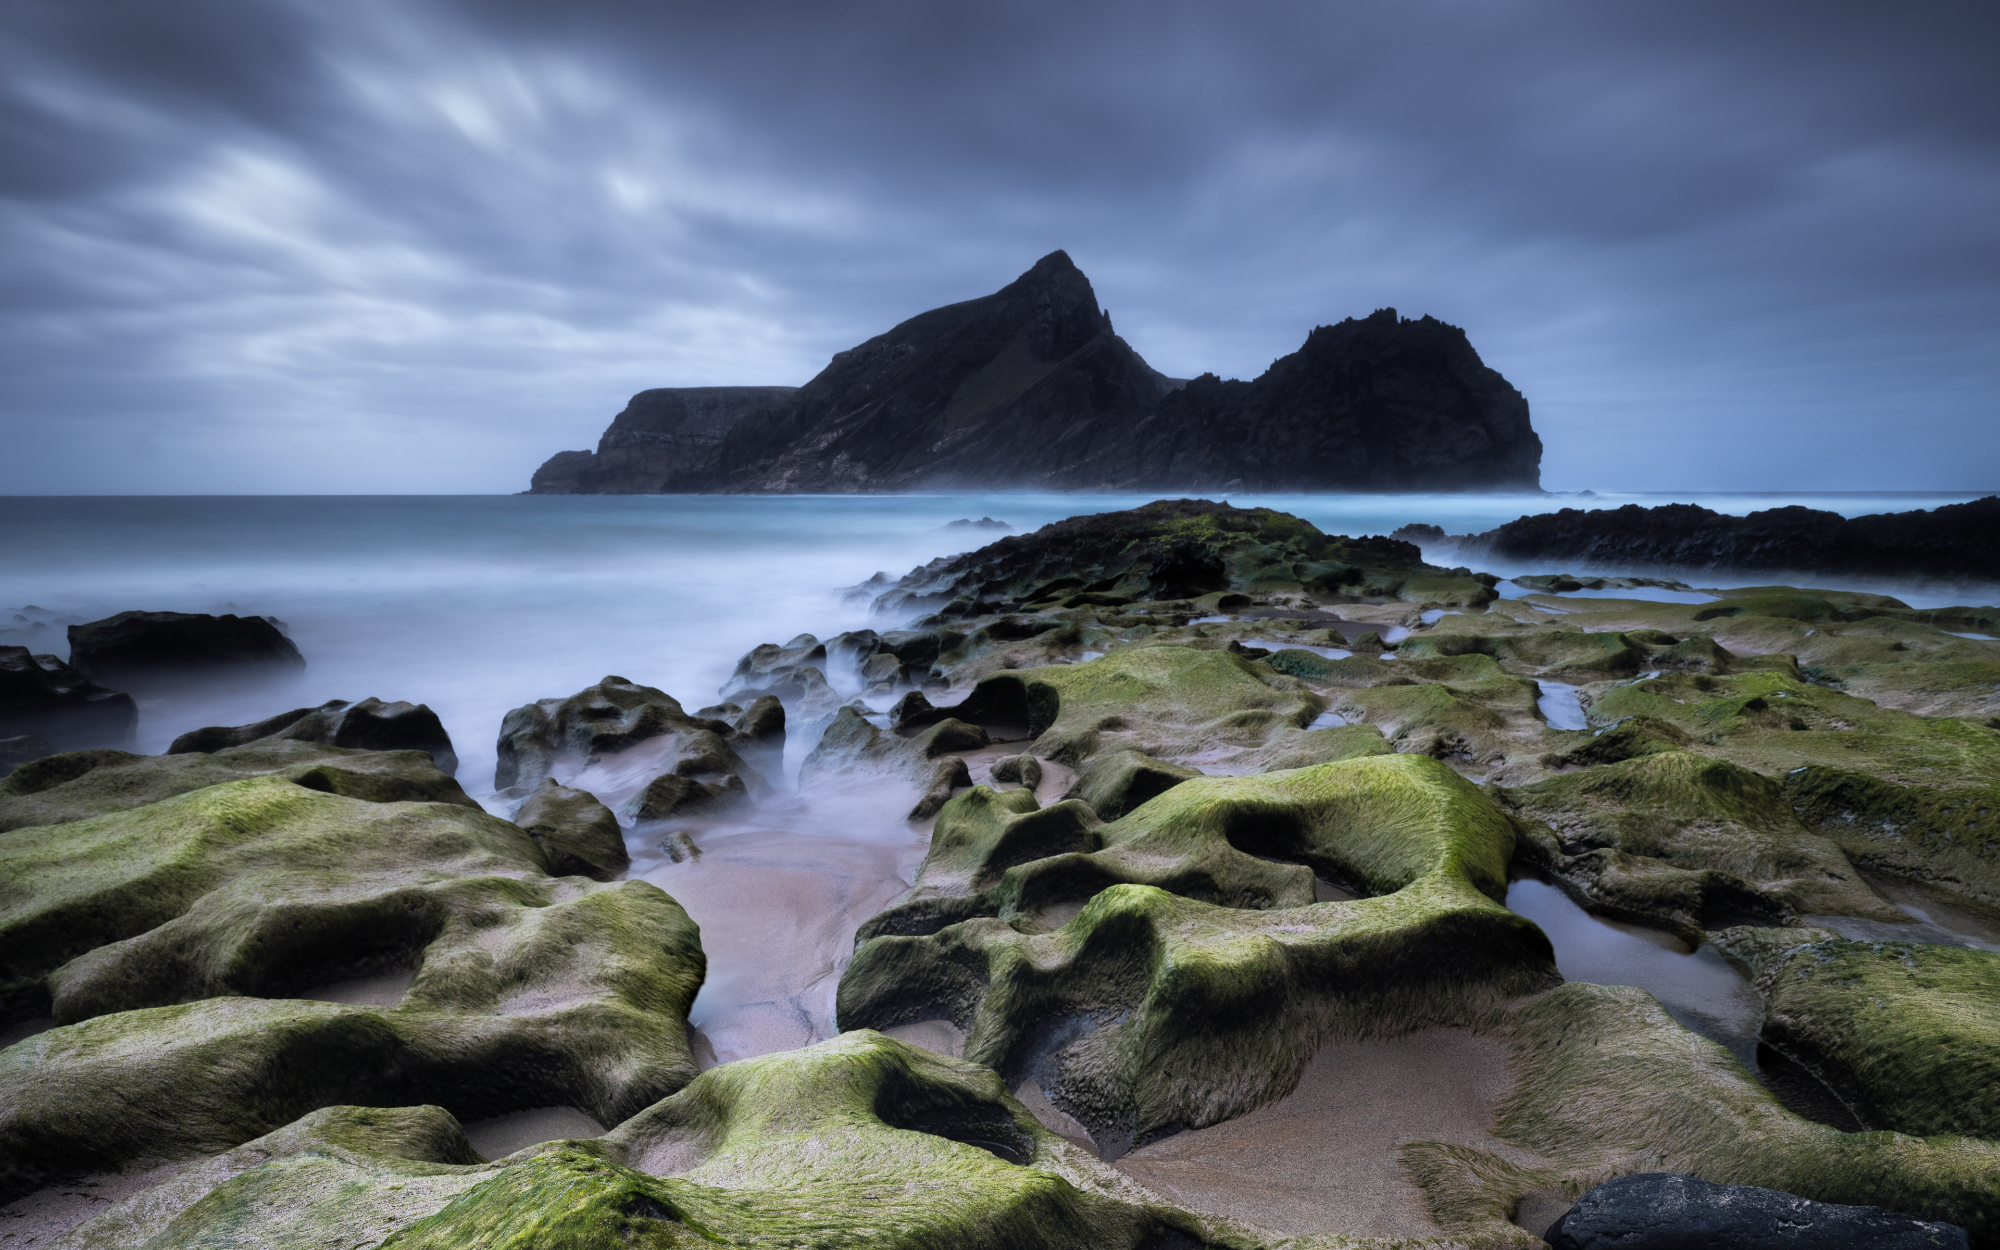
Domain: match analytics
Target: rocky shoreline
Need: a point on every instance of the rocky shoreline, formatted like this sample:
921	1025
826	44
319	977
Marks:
1117	855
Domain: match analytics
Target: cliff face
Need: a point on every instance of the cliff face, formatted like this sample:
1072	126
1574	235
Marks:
1018	387
660	433
1380	403
1029	387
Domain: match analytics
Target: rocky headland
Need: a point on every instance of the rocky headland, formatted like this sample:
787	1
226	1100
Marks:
1145	883
1030	387
662	434
1953	543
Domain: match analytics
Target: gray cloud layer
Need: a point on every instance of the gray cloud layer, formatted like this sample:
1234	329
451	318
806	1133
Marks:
253	245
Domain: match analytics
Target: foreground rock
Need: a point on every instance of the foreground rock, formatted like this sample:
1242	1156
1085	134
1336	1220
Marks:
661	433
177	947
147	647
858	1141
370	725
1030	386
1665	1211
43	698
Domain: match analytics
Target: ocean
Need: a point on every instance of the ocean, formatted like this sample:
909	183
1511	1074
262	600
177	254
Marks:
477	604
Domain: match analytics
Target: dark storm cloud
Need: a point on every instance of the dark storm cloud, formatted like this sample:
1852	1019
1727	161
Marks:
269	246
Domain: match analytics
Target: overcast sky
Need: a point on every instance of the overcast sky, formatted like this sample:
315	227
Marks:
259	246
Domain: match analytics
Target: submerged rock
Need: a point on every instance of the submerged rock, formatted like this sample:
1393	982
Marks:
44	698
146	647
1667	1211
370	725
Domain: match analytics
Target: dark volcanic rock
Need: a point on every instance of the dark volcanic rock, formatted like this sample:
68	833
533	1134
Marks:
1375	403
1168	549
1668	1211
370	725
617	715
43	697
149	645
1954	542
662	432
1029	386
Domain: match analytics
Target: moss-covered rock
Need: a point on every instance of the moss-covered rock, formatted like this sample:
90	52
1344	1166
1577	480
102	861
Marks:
1607	1085
1948	837
1178	549
860	1141
1689	843
1117	781
578	835
78	785
1165	701
1906	1033
1773	722
164	940
1150	1008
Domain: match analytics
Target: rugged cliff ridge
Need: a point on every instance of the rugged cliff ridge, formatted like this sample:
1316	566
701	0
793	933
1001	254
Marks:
1031	387
662	432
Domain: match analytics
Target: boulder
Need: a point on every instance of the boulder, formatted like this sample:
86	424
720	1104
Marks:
370	725
578	834
42	697
146	647
1118	781
1670	1211
180	948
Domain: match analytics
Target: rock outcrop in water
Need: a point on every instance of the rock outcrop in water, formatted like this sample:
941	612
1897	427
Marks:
1952	543
1225	812
661	434
44	699
1030	387
150	647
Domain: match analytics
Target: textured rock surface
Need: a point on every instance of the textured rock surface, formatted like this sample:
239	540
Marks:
165	942
661	433
1955	542
613	717
1667	1211
1029	386
151	646
77	785
857	1142
44	698
370	725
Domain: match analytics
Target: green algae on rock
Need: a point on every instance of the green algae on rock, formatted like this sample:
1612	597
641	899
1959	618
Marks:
1907	1034
1688	843
77	785
1947	837
861	1141
1150	1008
1607	1084
1175	549
144	933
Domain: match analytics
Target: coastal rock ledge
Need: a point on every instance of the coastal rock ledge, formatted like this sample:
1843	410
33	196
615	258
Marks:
1030	387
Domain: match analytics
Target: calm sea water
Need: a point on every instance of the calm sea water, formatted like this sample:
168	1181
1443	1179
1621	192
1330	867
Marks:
476	604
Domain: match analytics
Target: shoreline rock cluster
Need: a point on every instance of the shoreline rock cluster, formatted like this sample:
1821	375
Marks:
1202	794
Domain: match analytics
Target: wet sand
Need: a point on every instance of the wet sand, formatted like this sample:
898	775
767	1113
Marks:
504	1134
1324	1158
39	1218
